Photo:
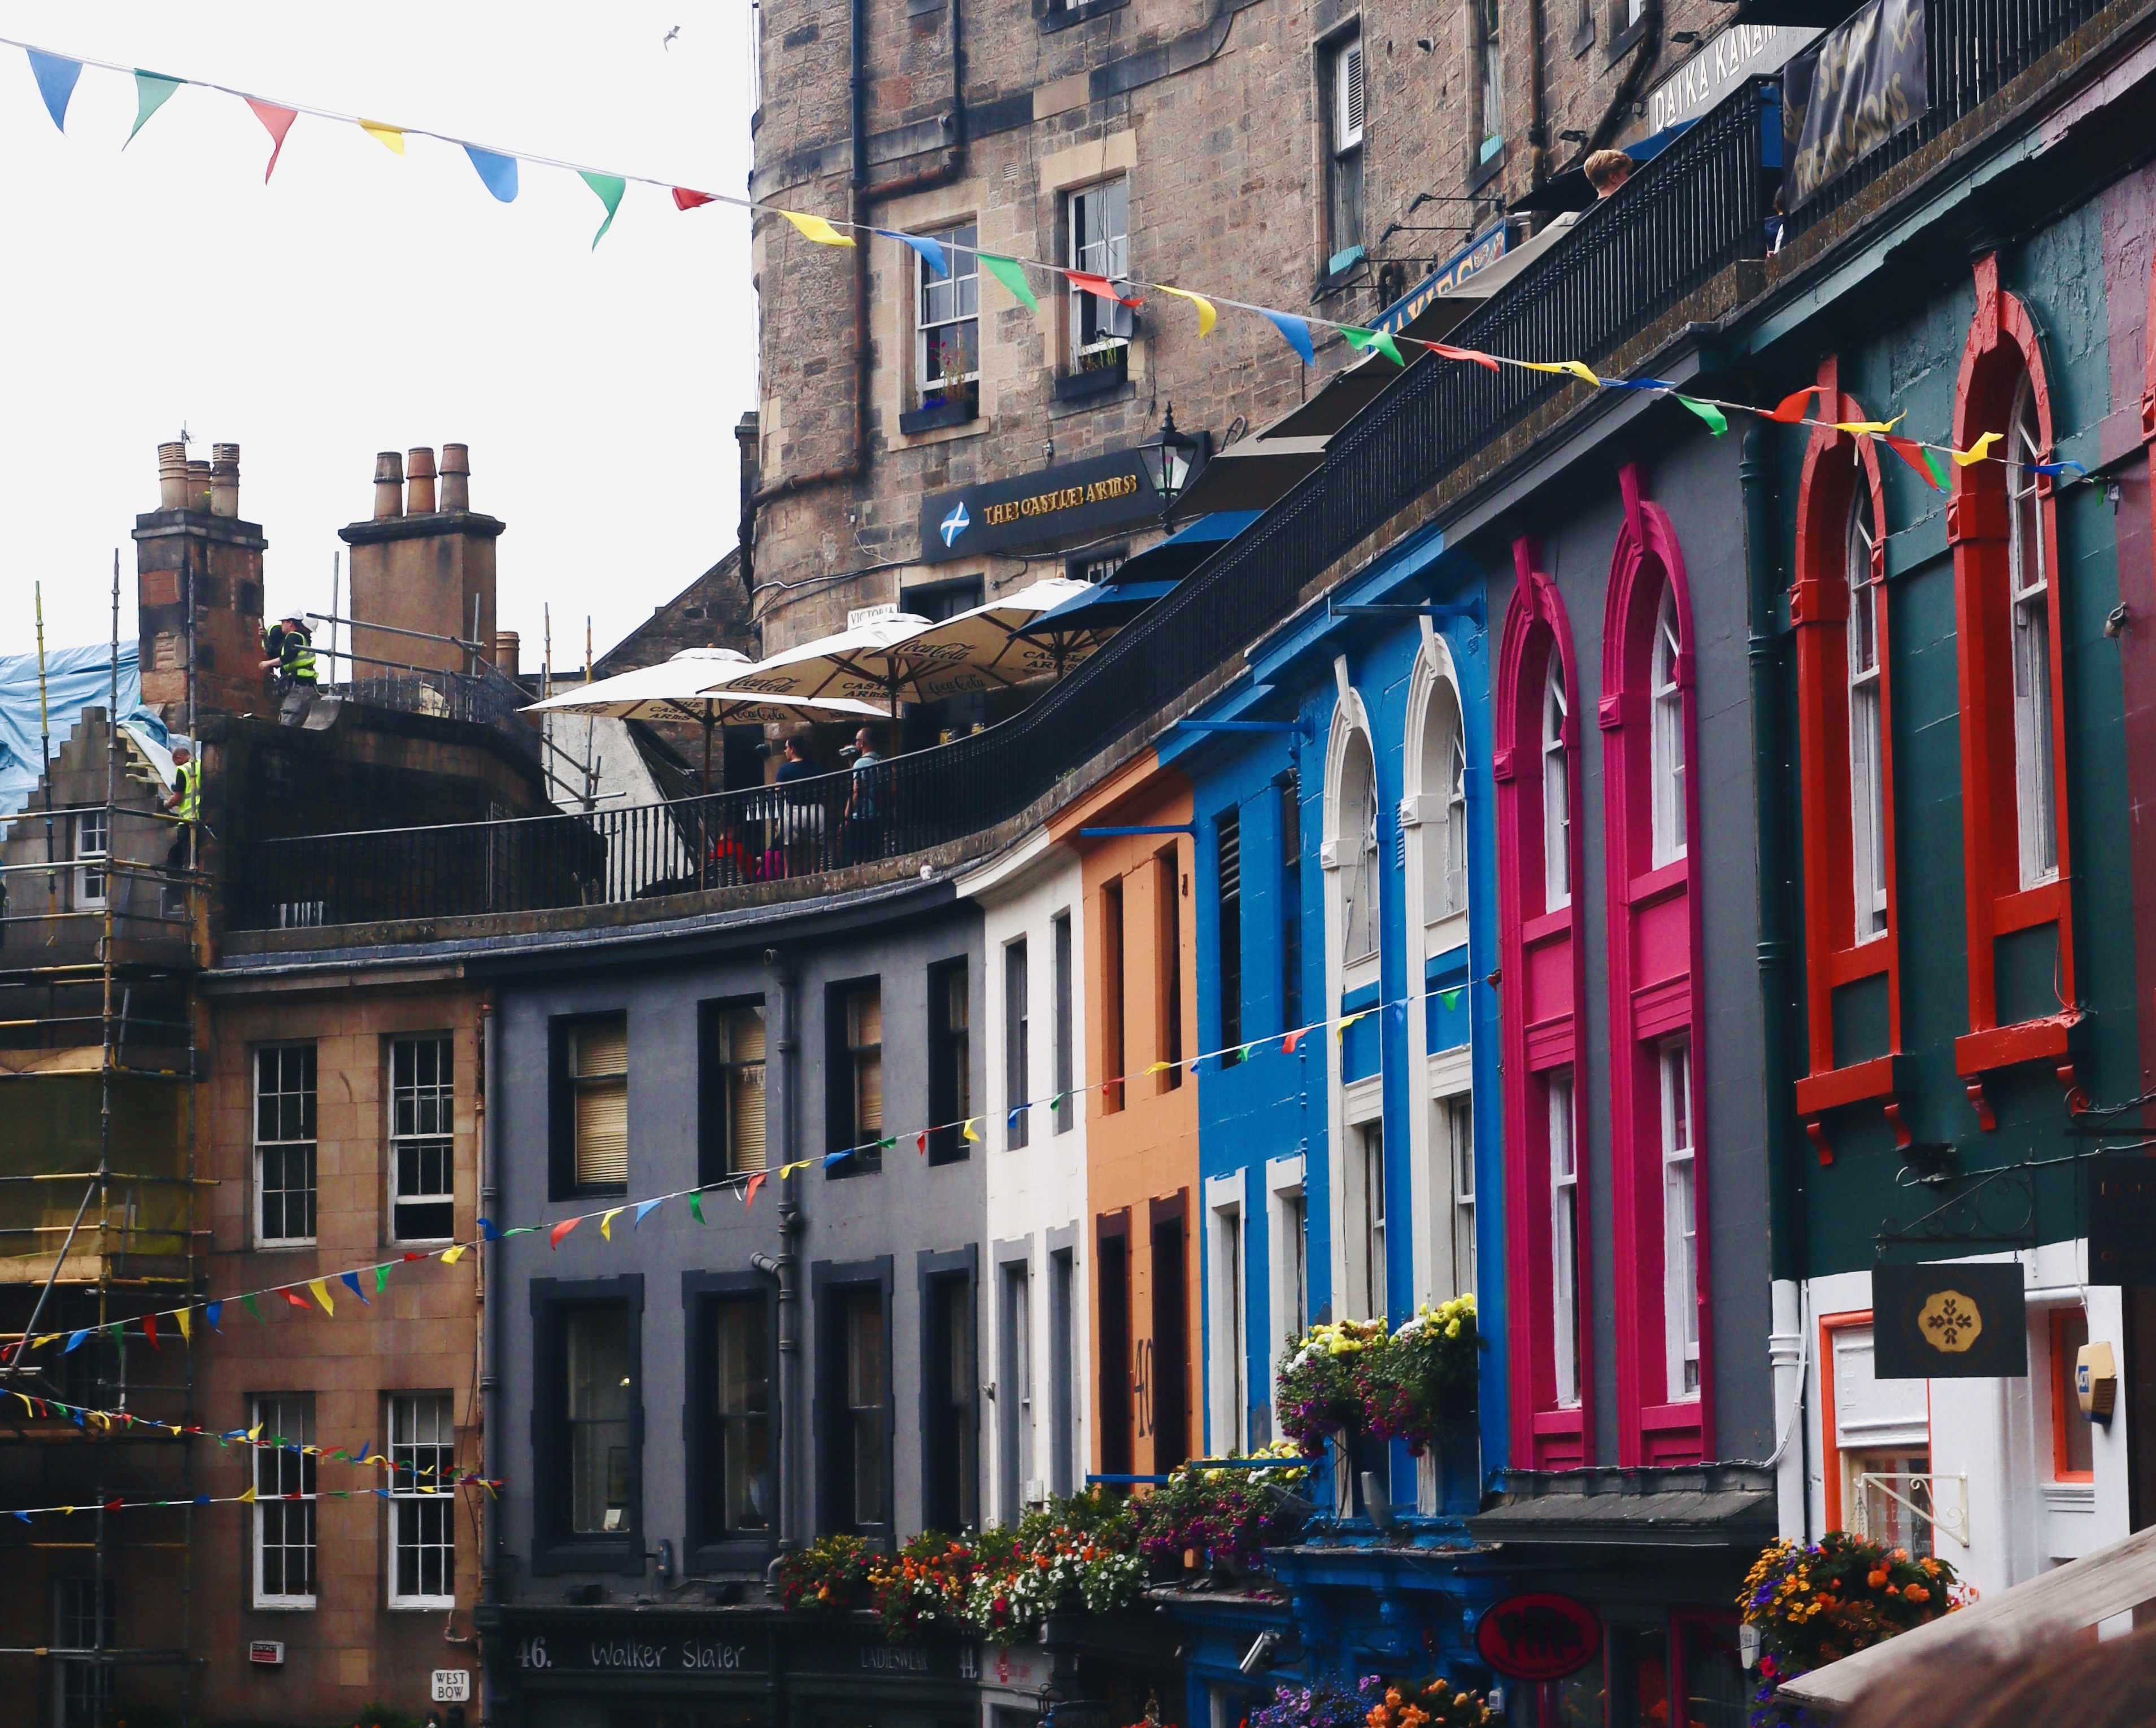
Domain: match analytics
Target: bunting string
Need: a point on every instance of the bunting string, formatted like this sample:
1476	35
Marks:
56	76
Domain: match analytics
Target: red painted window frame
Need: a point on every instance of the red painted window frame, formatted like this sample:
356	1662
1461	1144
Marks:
1645	1014
1819	617
2002	345
1532	943
2062	1389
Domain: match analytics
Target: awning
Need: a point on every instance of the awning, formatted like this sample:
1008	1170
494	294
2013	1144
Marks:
1144	579
2046	1610
1256	474
1628	1513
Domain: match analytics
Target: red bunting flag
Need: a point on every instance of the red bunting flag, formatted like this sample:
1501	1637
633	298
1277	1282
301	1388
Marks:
1100	285
1289	1043
1476	355
1791	408
112	1505
277	121
921	1142
684	199
1918	457
149	1332
297	1301
748	1193
555	1235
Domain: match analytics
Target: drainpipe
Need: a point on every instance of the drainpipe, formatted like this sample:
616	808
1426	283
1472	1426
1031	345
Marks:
1767	652
861	198
786	1268
1537	100
490	1341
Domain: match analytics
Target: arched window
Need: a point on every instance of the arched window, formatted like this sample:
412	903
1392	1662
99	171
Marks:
1667	769
1444	807
1556	794
1868	797
1358	852
2035	801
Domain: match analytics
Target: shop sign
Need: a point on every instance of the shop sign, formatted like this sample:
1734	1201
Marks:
634	1651
2122	1219
452	1686
1541	1636
882	1661
1733	55
1953	1321
1073	499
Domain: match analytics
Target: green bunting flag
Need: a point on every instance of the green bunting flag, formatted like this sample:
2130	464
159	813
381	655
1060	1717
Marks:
1362	340
1012	275
152	91
1451	998
381	1279
610	188
1718	422
696	1206
252	1308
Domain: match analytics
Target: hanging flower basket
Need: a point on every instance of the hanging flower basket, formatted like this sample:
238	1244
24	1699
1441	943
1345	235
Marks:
1408	1385
830	1575
1229	1516
1321	1384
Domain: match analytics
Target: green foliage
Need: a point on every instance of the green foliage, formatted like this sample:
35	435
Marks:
830	1575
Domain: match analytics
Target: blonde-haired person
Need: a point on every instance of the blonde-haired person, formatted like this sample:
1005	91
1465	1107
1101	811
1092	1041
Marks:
1607	170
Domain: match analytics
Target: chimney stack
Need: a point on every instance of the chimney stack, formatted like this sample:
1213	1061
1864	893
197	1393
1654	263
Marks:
420	566
224	479
388	486
420	483
456	478
194	539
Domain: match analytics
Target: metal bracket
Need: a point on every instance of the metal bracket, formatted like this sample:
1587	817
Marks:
1952	1520
2000	1211
1113	833
1471	607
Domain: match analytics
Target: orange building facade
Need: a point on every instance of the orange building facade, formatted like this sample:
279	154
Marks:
1141	1125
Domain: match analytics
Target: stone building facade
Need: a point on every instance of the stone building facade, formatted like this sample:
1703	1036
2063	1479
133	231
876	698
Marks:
1318	158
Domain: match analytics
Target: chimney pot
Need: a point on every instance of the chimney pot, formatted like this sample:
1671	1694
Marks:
388	484
456	478
171	476
420	483
224	479
507	652
198	487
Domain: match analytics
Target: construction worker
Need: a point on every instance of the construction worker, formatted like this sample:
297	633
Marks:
294	664
183	803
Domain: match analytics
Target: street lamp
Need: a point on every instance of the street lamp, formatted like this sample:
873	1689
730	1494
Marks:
1169	456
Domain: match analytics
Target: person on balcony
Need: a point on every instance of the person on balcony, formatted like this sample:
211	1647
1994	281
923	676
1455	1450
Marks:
294	664
1607	170
867	796
801	812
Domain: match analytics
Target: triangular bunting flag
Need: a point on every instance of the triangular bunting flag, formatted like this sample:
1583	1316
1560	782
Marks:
321	1293
1718	422
490	1230
831	1158
150	1332
932	251
1977	451
213	1312
1012	275
969	1130
450	1256
152	91
496	172
75	1338
388	137
1100	285
1207	315
645	1211
248	1498
1575	368
697	1206
295	1298
186	1330
1476	356
1362	340
608	188
1790	408
684	199
1867	429
1451	998
276	121
56	77
1296	332
748	1193
352	1279
381	1279
1933	470
1291	1040
555	1235
921	1142
816	229
606	1222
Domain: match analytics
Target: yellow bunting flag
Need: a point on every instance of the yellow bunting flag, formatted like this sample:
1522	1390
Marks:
814	227
606	1224
1206	315
1578	369
186	1331
1977	451
254	1434
1341	1031
1159	1067
249	1497
322	1292
970	1135
1868	428
450	1256
389	137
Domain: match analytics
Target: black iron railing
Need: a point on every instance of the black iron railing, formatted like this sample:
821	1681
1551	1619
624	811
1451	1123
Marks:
1973	49
487	697
1698	207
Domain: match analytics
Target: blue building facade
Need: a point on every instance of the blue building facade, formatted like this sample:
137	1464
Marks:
1345	868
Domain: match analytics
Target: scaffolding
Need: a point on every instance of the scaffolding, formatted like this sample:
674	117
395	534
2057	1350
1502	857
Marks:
102	933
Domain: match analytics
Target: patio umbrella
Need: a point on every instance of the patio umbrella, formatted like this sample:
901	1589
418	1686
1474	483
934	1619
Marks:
988	647
693	688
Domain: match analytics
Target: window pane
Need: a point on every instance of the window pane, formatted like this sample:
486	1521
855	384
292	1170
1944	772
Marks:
864	1402
741	1388
742	1035
595	1343
423	1525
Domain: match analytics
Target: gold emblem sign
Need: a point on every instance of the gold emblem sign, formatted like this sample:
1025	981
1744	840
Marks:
1950	1322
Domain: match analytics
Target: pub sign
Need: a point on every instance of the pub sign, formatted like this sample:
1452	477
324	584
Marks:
1949	1321
1098	494
1540	1636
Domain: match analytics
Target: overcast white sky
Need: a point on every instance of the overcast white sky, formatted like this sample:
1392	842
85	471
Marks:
361	302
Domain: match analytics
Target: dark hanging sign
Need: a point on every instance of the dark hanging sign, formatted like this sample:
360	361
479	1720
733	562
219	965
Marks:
637	1648
2122	1219
1541	1636
1073	500
1957	1321
1861	85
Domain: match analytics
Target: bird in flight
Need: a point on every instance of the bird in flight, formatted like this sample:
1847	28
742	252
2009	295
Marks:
667	40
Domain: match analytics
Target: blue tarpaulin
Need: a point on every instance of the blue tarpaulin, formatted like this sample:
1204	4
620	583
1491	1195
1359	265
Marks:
76	678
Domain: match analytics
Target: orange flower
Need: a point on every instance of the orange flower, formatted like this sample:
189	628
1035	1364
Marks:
1876	1578
1916	1593
1892	1591
1901	1554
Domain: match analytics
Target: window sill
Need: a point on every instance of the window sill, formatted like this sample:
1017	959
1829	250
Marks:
1584	38
1054	17
616	1554
286	1605
1621	43
1481	173
942	415
422	1605
284	1244
1094	383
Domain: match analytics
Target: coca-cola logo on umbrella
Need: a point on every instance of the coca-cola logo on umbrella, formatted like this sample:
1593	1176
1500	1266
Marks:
1538	1637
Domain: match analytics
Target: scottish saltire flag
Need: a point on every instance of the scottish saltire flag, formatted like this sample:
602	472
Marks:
956	524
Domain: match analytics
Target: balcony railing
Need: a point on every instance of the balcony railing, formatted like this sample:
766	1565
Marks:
488	698
1973	49
1698	207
